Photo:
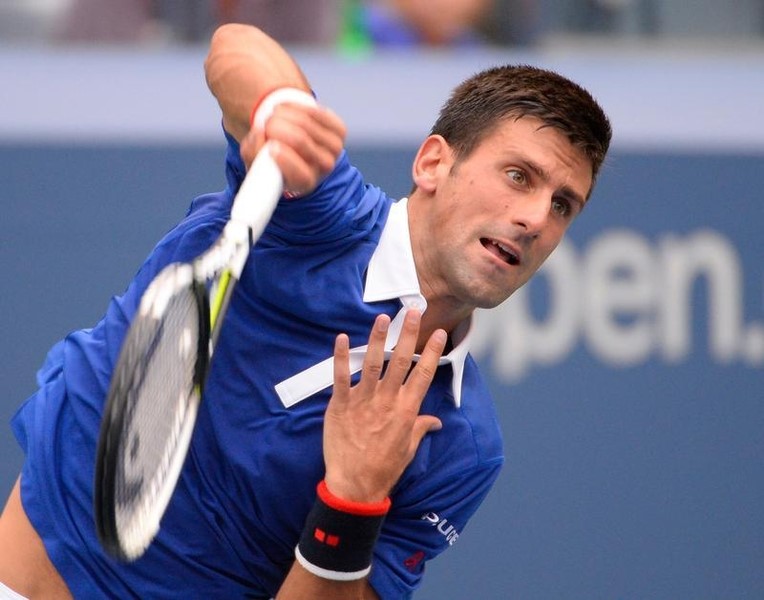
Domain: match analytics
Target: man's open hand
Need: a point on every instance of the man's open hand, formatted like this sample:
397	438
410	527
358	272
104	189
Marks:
373	429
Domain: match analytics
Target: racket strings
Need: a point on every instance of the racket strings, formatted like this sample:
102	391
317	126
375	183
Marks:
161	372
155	391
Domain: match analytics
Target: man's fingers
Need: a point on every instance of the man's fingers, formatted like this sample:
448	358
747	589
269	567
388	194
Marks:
299	176
314	136
306	144
400	361
423	425
374	361
341	368
421	376
323	126
320	122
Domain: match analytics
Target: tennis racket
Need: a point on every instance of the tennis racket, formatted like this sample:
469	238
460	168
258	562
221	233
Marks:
157	383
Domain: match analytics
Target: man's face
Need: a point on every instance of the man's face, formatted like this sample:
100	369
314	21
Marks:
495	216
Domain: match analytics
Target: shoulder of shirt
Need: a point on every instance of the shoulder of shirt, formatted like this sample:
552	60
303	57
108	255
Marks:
478	409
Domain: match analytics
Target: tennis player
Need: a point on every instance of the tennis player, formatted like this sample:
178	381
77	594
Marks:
316	471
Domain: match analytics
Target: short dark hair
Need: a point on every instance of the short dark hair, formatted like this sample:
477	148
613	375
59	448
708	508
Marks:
479	103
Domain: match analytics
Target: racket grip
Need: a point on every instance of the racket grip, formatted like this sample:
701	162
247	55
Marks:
259	193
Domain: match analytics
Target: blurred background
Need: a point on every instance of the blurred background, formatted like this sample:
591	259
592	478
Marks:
380	22
628	376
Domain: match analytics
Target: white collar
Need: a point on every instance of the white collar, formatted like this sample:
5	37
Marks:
391	274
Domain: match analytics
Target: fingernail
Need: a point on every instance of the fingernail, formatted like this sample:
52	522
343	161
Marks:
383	323
342	341
413	315
440	336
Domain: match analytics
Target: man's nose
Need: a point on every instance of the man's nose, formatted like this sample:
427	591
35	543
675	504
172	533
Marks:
532	213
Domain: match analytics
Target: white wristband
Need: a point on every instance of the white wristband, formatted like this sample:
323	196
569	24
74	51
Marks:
279	96
328	573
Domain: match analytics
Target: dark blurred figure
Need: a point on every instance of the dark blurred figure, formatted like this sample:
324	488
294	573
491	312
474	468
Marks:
192	21
515	22
353	24
289	21
110	21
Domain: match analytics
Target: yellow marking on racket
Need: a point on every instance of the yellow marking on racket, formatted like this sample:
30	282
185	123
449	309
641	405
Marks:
217	301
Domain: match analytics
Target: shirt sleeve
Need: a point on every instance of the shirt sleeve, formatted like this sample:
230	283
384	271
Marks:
342	207
417	530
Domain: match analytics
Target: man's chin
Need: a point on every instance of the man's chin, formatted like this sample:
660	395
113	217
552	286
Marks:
490	300
479	293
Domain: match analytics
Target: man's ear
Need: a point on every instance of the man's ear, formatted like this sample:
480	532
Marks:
432	161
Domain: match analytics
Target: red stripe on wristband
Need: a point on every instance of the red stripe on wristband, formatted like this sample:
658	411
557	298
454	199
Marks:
259	102
361	509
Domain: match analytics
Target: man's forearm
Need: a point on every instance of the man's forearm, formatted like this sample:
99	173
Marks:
244	64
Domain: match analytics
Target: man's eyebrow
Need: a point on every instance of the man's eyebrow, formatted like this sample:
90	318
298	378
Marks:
573	196
565	191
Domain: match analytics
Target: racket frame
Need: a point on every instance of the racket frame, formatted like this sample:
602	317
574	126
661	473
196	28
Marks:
221	264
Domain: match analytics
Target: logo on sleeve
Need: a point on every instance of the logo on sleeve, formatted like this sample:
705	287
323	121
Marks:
413	561
444	527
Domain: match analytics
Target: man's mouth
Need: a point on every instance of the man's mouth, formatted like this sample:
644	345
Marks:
504	252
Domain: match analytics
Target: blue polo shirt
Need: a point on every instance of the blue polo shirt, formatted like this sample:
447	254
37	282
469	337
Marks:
327	263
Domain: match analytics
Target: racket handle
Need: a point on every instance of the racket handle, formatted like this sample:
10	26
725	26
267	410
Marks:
259	193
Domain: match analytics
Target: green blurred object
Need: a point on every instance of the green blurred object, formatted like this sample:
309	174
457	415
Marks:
353	38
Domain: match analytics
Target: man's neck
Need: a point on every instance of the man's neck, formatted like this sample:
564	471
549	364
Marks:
435	318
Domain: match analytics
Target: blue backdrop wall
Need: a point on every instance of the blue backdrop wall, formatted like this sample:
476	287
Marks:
628	375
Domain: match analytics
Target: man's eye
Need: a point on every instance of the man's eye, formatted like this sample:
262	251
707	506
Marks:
561	207
516	176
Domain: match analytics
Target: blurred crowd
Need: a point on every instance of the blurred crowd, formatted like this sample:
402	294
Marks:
364	24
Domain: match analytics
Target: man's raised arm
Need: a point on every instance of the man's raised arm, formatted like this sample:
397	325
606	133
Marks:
243	66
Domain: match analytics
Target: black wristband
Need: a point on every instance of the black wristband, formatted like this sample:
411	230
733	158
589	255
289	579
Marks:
338	539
